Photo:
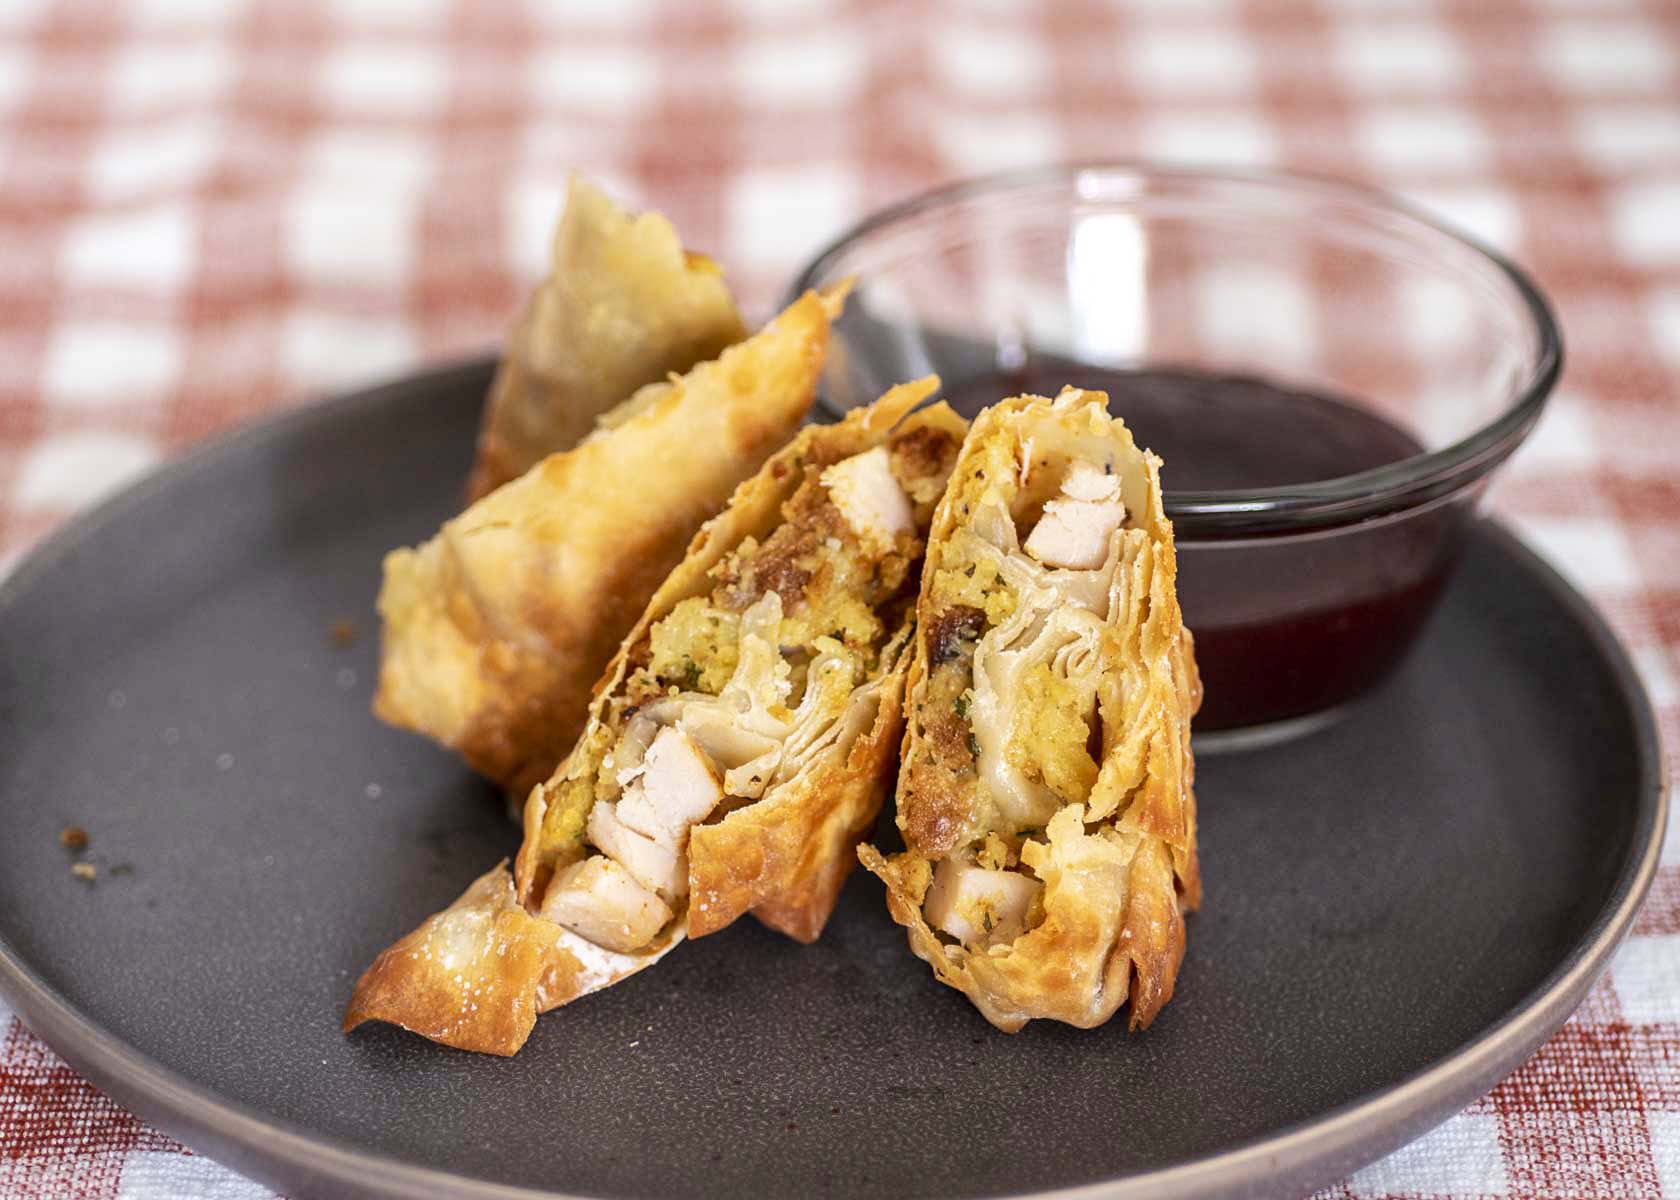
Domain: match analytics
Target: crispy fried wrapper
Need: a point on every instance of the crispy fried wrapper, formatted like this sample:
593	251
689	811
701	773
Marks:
495	629
785	856
623	306
1045	795
476	975
755	708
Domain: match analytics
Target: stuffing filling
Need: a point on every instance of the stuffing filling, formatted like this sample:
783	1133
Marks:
736	691
1021	599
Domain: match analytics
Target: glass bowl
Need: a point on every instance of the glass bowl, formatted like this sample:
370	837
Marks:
1329	375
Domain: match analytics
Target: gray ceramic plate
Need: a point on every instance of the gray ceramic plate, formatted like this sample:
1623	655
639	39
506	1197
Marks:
1399	909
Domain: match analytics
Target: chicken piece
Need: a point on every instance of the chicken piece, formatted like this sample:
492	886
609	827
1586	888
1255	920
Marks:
598	899
874	505
978	906
1086	482
658	867
678	787
1075	533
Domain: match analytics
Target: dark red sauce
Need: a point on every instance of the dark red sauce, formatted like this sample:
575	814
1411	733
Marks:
1283	626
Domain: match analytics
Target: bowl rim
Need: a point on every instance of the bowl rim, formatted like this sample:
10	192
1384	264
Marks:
1340	500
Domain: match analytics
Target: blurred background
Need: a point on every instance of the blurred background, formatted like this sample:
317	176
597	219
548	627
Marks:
213	209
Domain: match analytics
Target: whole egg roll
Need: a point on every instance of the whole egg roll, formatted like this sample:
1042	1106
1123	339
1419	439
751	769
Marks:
738	748
1045	795
495	629
623	306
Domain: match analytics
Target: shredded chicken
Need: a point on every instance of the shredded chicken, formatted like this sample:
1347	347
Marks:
600	900
1076	527
979	906
682	753
874	505
656	864
678	786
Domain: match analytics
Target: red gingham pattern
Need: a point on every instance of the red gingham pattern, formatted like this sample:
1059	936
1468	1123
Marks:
210	209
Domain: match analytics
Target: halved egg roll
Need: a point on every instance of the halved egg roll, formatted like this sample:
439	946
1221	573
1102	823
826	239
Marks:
495	629
1045	792
737	749
623	306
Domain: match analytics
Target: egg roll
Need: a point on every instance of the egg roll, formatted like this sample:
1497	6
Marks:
623	306
495	629
737	750
1045	795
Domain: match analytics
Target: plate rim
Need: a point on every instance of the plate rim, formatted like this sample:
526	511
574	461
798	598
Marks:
1312	1151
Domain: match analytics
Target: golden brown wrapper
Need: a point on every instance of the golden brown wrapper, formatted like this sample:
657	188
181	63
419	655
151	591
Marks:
622	306
783	857
497	627
1120	868
476	975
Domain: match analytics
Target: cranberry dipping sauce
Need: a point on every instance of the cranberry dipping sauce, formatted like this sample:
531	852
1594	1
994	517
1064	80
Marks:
1328	377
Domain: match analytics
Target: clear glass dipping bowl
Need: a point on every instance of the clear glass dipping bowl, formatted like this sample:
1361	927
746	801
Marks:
1314	533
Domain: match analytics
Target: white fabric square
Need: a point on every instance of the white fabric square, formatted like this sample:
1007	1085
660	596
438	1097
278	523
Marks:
1662	314
393	156
154	1174
1646	973
778	216
1178	61
398	13
1411	138
972	143
93	364
573	13
385	77
68	470
151	75
1618	137
815	69
1255	314
148	248
1663	688
351	235
1563	440
1460	1157
1434	313
1591	552
529	217
1378	57
1643	222
1238	138
593	78
991	62
1628	56
176	13
1485	213
15	73
20	14
773	10
325	349
1665	1148
130	161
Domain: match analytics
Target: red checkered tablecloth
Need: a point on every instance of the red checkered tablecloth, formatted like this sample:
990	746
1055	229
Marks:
211	209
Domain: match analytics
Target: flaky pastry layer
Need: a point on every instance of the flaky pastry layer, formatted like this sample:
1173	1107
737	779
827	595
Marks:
1047	754
623	306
